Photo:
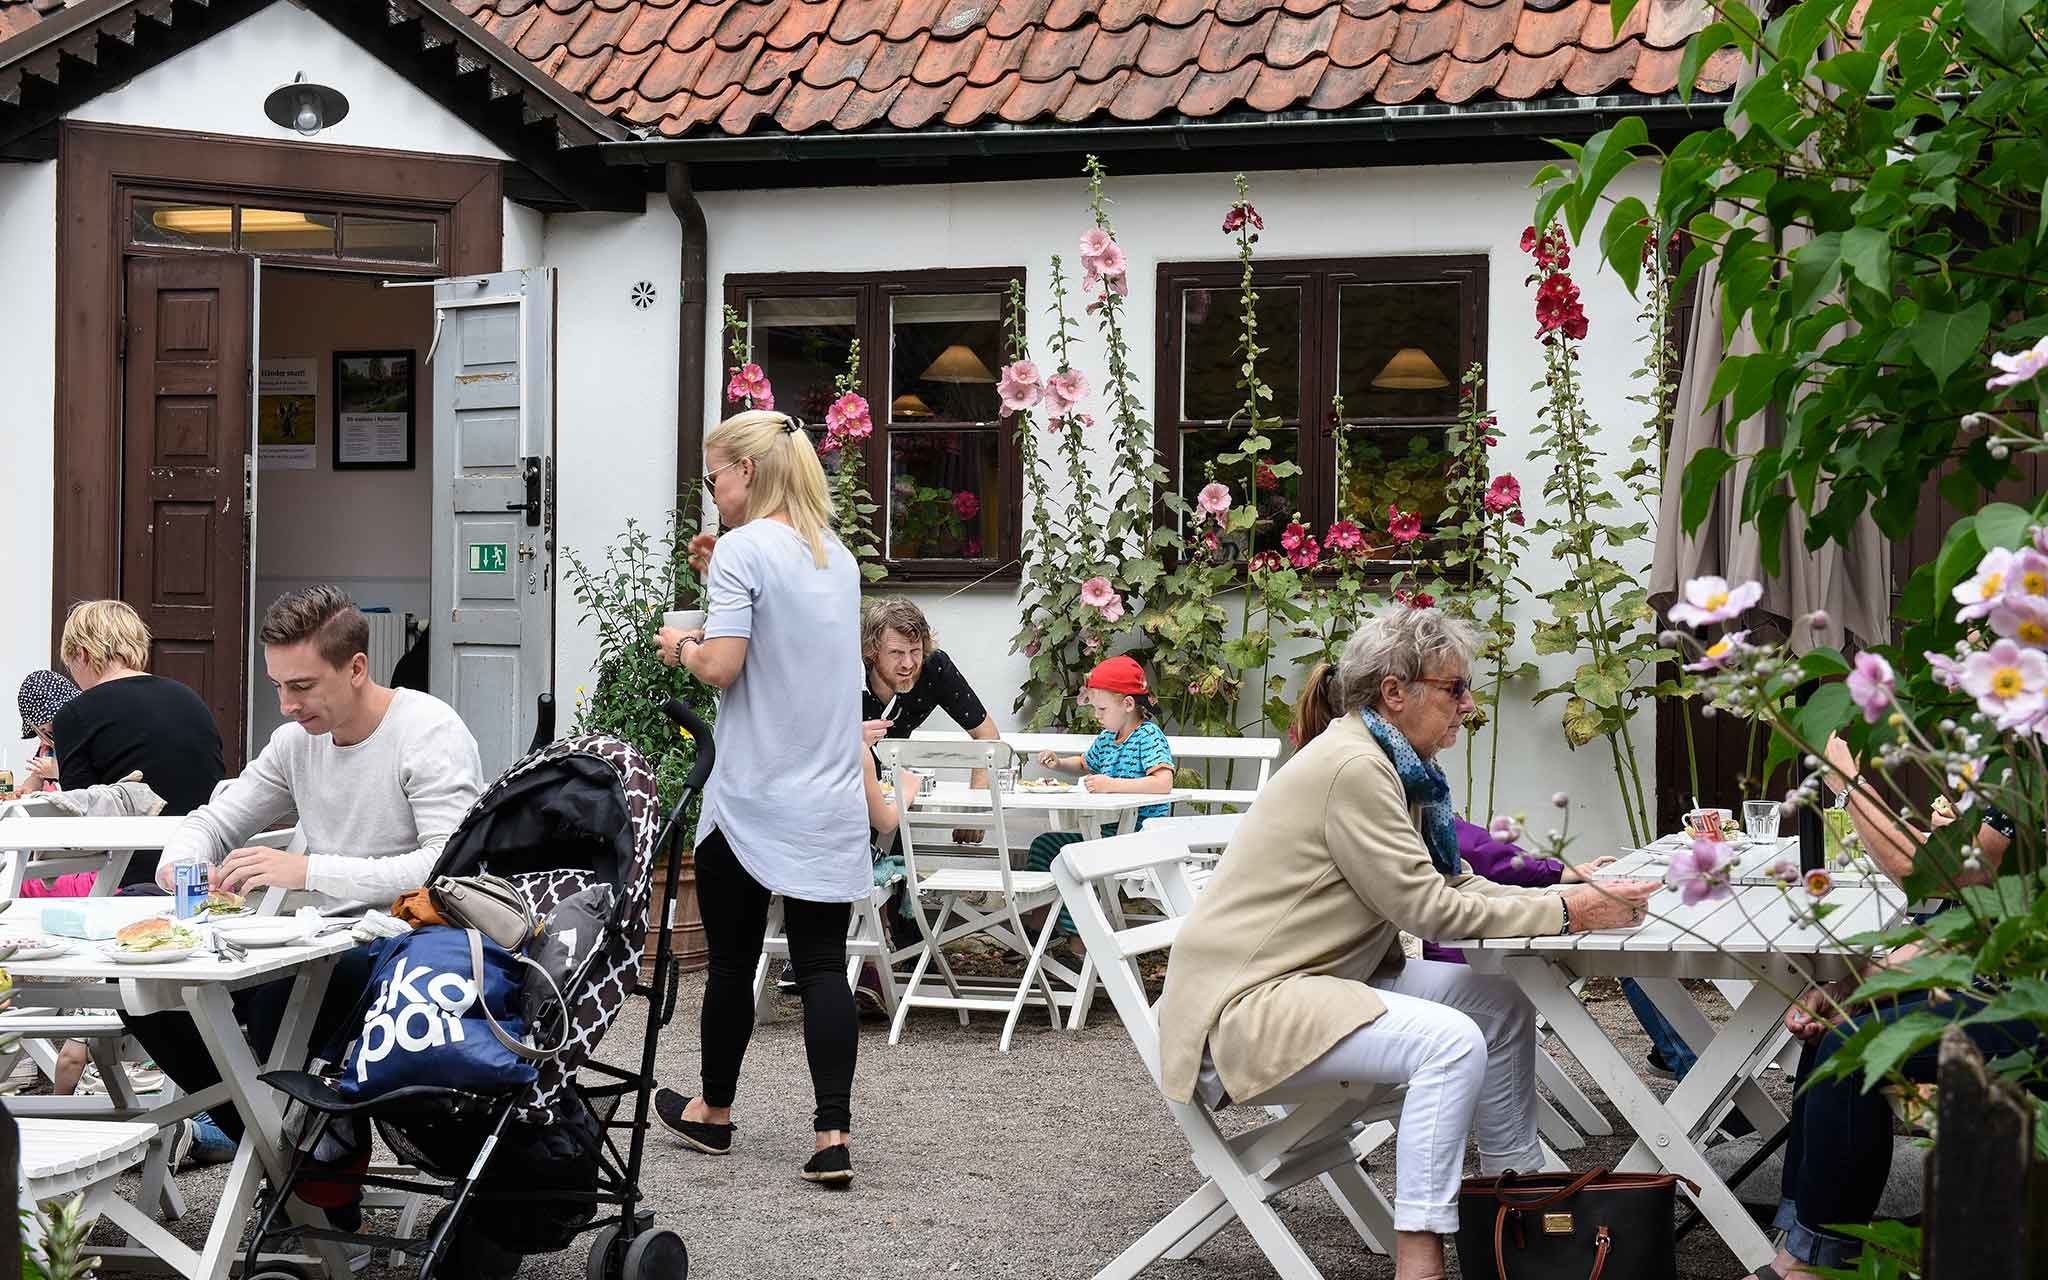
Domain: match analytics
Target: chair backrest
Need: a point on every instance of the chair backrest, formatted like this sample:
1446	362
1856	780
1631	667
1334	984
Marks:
1084	871
1200	832
977	808
1186	748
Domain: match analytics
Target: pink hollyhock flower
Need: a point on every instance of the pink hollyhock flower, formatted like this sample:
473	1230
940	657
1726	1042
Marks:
1091	643
1710	599
849	418
1558	308
1701	873
750	384
1214	499
1291	537
966	504
1210	543
1306	554
1106	285
2009	683
1422	600
1267	561
1021	386
1722	652
1096	592
1406	526
1031	648
1516	516
1870	686
1063	391
1241	213
1110	263
1529	239
2022	618
1948	673
1345	538
971	548
1818	882
1504	493
1094	241
2020	366
1114	610
1986	587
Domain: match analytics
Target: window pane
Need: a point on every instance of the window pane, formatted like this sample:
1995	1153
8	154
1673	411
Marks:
944	498
287	231
1210	330
802	345
1278	497
1398	349
948	348
191	226
1391	466
388	239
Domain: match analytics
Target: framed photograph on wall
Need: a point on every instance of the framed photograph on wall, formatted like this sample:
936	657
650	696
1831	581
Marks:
373	409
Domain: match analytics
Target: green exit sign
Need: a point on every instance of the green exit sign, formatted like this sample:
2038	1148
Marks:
487	557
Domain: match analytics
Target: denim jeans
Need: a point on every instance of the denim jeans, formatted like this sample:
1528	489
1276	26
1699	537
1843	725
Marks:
1664	1037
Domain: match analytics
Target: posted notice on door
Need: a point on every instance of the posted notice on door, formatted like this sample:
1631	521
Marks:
286	397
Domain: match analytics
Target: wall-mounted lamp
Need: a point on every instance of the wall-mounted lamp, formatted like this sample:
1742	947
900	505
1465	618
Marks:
305	106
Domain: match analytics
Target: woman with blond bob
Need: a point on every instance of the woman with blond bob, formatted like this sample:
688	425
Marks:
126	721
785	811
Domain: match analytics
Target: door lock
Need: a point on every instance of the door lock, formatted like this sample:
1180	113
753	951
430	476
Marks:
530	473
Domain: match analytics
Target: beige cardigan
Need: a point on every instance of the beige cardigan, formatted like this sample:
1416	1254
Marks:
1327	868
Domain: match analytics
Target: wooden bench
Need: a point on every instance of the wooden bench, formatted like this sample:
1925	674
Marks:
62	1158
1256	755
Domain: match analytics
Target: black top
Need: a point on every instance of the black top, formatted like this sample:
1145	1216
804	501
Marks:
939	686
145	723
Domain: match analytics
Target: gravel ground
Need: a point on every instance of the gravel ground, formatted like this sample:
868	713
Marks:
1045	1162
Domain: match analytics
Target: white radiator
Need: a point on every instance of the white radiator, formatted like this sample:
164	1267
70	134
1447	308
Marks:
387	644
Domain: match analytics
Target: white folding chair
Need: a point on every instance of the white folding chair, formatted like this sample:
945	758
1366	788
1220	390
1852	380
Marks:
867	942
974	890
1306	1135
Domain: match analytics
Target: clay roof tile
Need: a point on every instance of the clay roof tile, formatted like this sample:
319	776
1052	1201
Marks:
747	19
749	108
600	30
913	20
977	102
725	68
1720	72
1173	49
1541	31
1656	71
1229	44
693	25
622	73
1052	52
858	19
866	106
999	58
1595	72
958	17
1032	99
1463	81
837	61
1407	81
802	20
1297	39
891	64
781	64
1279	88
1012	16
649	26
1672	22
548	31
1122	15
672	72
805	107
1146	96
1487	30
919	103
1090	99
1599	34
1114	50
943	60
1067	14
1343	86
1532	77
1424	37
1212	92
1358	41
1179	13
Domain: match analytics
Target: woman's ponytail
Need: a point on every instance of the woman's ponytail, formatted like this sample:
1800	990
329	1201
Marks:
1317	705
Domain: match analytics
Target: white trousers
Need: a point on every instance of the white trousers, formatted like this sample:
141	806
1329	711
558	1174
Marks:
1465	1045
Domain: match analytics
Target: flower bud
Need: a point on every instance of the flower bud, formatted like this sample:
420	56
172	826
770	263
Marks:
1560	800
1818	619
1998	452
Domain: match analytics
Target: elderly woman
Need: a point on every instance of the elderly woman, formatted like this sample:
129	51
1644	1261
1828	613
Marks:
1288	972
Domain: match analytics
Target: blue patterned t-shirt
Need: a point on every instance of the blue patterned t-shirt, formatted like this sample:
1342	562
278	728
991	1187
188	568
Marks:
1134	757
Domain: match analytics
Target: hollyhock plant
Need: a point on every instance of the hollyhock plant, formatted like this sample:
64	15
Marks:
1267	561
1405	526
1063	391
1701	872
1292	536
1871	685
966	504
1504	494
1710	599
1722	652
1344	538
2019	367
748	383
1021	386
1114	610
2009	683
1096	592
849	418
1214	500
1306	554
1241	213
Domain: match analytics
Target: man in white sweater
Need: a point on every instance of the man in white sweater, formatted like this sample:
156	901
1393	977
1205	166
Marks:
378	777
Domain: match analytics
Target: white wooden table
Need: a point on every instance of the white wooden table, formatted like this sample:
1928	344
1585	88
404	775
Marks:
1753	862
200	986
1755	934
38	848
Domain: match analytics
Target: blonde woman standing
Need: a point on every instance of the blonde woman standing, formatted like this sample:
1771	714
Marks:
785	812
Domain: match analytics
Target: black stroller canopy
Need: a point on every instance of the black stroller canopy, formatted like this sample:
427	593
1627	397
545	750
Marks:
565	813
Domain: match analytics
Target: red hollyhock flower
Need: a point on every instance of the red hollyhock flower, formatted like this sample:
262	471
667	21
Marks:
1503	494
1267	562
1291	538
1406	526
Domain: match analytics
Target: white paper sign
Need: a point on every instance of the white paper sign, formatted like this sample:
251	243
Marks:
373	437
286	403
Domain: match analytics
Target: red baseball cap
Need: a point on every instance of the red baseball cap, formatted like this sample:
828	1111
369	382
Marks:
1119	675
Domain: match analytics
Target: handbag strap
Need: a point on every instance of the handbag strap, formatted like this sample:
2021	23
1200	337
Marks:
1602	1244
1544	1201
516	1045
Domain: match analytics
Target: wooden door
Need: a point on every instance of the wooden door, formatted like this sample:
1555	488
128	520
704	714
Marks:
184	529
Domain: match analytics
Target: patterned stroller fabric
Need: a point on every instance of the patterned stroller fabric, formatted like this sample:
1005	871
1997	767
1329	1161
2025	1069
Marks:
576	813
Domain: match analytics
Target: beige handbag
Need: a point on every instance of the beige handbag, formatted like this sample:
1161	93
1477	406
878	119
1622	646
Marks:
491	905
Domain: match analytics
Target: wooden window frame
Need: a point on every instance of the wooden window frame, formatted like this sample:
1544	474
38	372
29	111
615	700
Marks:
873	292
440	216
1320	280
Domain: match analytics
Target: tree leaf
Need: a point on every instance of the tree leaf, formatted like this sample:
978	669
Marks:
2000	22
1814	267
1715	37
1866	252
2001	524
1702	479
1945	341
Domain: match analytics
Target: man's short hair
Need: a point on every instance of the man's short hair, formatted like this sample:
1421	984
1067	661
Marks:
99	633
324	615
893	613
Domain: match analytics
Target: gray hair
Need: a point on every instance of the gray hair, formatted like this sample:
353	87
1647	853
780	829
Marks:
1404	644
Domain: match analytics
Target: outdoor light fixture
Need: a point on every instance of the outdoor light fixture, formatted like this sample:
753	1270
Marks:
957	364
1411	369
304	106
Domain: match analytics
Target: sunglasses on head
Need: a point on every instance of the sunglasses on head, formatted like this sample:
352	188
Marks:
1456	686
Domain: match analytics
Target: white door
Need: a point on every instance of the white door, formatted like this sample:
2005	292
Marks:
491	640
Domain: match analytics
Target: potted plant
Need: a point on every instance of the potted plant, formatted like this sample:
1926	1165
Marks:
642	576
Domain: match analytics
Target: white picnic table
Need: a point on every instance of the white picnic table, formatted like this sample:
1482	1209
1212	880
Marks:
1762	934
1753	862
200	985
40	847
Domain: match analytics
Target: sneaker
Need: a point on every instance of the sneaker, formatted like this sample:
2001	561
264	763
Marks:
711	1139
182	1139
833	1166
1659	1067
868	994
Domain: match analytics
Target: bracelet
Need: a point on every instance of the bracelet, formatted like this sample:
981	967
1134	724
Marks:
1565	909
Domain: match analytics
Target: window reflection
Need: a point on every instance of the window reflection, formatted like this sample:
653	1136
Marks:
802	344
947	349
944	494
1398	349
188	226
1212	327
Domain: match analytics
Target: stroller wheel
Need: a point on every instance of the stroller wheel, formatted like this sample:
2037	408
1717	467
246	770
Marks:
605	1259
275	1272
657	1255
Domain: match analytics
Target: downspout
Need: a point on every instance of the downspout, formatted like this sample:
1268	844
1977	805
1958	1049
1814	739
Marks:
694	291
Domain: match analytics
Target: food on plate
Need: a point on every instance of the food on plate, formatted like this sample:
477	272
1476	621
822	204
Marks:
1045	784
221	903
154	934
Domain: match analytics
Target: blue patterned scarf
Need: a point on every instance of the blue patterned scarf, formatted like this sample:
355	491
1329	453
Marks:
1426	786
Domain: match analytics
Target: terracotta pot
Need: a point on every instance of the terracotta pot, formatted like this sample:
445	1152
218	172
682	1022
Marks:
684	921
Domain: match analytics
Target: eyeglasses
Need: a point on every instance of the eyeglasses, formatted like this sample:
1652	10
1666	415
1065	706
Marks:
711	476
1456	686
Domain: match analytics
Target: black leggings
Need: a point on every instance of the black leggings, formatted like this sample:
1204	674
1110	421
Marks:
735	910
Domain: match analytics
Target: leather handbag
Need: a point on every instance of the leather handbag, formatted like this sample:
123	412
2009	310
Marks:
1564	1226
491	905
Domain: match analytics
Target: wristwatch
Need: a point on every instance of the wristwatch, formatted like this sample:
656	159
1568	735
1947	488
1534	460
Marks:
1564	909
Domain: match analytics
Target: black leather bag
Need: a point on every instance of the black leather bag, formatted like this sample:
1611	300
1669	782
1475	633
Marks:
1565	1226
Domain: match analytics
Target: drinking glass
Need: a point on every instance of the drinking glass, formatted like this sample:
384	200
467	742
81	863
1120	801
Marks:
1006	778
1760	819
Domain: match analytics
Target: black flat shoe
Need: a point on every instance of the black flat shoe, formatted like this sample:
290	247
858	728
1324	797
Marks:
711	1139
833	1165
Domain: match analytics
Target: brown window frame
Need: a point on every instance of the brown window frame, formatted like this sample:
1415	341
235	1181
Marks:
1320	280
873	292
439	215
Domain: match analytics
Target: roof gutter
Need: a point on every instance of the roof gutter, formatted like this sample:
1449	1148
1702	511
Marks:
1370	124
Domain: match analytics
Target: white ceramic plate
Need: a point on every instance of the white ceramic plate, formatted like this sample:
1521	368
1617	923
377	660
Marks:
162	955
31	946
261	931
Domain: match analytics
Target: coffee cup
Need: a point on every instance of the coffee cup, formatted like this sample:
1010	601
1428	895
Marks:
684	619
1715	823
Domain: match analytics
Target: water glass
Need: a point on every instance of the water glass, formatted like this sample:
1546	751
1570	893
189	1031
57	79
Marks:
1760	819
1008	777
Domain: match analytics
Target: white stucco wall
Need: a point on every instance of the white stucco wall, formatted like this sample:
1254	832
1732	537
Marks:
626	368
28	266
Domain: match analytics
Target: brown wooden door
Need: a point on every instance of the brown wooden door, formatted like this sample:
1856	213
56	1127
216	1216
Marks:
184	536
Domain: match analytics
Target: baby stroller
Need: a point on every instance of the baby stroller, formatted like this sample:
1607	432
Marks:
572	815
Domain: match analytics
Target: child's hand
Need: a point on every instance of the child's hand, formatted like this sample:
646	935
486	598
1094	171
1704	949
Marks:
1098	783
1049	759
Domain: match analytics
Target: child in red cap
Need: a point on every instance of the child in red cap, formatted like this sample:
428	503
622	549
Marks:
1129	756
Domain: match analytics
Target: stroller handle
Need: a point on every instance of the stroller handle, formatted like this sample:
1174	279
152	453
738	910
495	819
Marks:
679	711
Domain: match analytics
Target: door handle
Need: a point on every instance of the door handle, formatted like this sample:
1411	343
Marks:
531	504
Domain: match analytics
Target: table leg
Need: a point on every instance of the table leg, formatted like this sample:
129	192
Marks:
1668	1136
1672	999
1723	1067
